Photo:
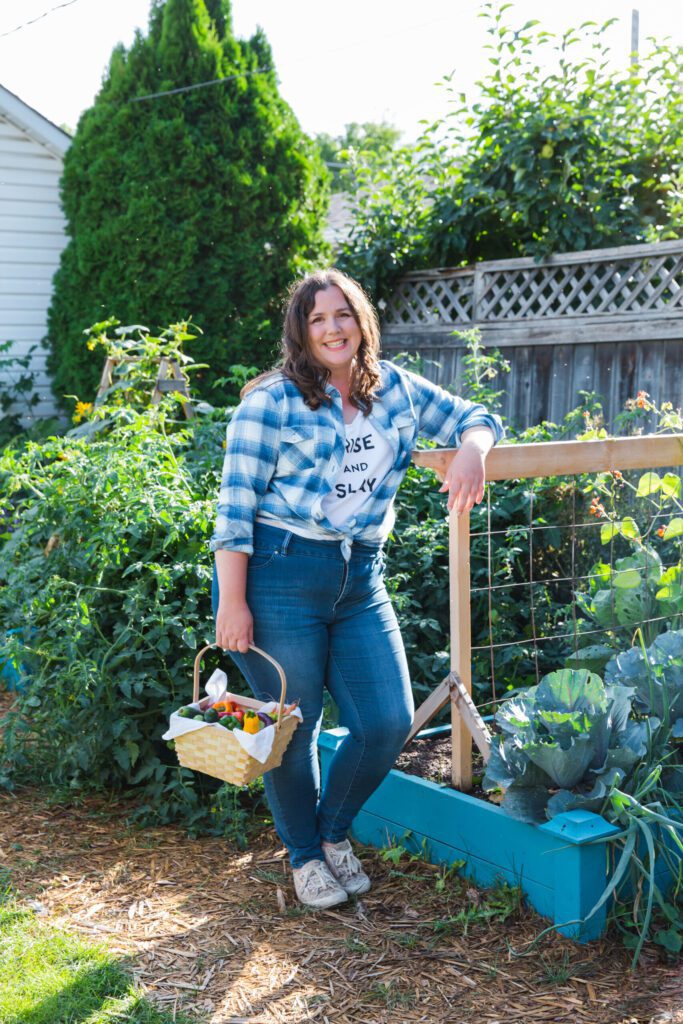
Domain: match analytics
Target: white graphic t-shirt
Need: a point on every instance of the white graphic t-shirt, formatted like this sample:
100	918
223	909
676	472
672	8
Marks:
367	460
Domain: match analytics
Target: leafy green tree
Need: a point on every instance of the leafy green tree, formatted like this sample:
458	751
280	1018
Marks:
367	143
205	202
553	156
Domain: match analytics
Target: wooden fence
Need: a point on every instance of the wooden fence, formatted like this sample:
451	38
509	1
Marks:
606	320
508	462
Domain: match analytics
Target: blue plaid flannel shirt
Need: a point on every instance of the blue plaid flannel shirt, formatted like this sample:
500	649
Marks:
282	458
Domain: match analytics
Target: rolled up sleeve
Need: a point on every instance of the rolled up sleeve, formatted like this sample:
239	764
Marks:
443	417
251	453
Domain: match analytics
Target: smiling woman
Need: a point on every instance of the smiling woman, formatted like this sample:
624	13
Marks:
314	456
334	336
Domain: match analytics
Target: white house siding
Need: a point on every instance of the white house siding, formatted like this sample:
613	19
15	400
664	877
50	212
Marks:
32	236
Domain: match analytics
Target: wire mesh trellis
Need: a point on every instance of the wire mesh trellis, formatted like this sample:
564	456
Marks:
562	592
490	650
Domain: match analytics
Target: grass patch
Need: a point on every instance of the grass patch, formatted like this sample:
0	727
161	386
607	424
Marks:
48	976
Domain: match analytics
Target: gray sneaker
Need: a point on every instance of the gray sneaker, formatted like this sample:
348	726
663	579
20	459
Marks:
346	867
317	887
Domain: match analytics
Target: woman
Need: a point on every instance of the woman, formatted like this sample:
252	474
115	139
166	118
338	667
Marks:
314	455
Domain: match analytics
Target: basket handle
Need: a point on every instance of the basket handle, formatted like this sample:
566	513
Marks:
252	647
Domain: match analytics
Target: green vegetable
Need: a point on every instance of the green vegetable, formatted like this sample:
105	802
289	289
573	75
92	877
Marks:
211	715
658	682
186	713
199	717
229	722
568	730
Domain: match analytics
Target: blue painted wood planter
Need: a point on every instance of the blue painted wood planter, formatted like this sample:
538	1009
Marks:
559	865
10	677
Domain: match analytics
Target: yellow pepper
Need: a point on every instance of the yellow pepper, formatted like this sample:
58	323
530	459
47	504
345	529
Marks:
251	723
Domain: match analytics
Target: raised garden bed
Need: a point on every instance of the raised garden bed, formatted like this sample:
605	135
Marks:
561	866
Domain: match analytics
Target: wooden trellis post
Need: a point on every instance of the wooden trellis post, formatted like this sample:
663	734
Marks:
461	643
466	722
169	378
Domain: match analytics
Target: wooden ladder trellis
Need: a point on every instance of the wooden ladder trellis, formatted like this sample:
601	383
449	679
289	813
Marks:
510	462
169	378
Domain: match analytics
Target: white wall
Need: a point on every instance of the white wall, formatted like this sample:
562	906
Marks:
31	239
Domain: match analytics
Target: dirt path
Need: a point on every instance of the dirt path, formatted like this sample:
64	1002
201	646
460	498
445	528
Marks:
217	931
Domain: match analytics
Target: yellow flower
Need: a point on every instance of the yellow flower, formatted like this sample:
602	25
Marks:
82	409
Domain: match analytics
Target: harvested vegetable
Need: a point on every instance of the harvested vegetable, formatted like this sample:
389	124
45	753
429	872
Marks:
252	723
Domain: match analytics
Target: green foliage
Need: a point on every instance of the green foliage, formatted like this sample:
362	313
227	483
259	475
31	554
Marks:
656	677
18	398
105	580
360	145
417	577
210	199
567	731
644	587
574	733
49	976
499	903
552	155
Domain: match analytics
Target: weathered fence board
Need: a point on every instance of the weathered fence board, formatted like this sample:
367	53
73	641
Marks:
607	320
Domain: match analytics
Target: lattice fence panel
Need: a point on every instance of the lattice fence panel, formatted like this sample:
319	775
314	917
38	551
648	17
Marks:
425	301
621	286
625	285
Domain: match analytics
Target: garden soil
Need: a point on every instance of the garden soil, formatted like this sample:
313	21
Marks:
216	931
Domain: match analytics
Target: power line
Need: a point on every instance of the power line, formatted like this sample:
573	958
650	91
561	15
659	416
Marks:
199	85
40	17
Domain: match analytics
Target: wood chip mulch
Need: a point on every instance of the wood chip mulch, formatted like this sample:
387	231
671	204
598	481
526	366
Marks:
217	933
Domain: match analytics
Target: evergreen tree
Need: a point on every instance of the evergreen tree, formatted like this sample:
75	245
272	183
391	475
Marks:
204	203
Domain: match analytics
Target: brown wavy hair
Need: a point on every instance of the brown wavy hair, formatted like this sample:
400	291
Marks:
297	362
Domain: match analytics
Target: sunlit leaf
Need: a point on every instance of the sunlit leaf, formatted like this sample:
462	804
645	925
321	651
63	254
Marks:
629	529
649	483
671	485
609	530
674	529
627	579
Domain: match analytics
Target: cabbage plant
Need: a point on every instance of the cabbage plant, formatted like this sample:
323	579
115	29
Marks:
571	742
655	677
569	731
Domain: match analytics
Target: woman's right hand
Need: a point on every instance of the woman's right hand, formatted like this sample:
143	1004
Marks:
234	626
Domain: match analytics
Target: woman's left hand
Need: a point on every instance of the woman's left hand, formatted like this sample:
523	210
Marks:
465	476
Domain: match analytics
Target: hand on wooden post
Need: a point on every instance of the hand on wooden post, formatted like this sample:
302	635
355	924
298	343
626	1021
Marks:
465	477
464	480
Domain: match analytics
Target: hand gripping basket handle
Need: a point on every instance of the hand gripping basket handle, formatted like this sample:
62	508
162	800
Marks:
280	670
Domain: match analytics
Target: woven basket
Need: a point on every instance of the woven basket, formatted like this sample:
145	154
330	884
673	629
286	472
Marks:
215	751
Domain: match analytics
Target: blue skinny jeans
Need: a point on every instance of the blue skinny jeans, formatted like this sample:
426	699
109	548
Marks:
330	624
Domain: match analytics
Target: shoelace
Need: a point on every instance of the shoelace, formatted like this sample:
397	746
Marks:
317	881
346	863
